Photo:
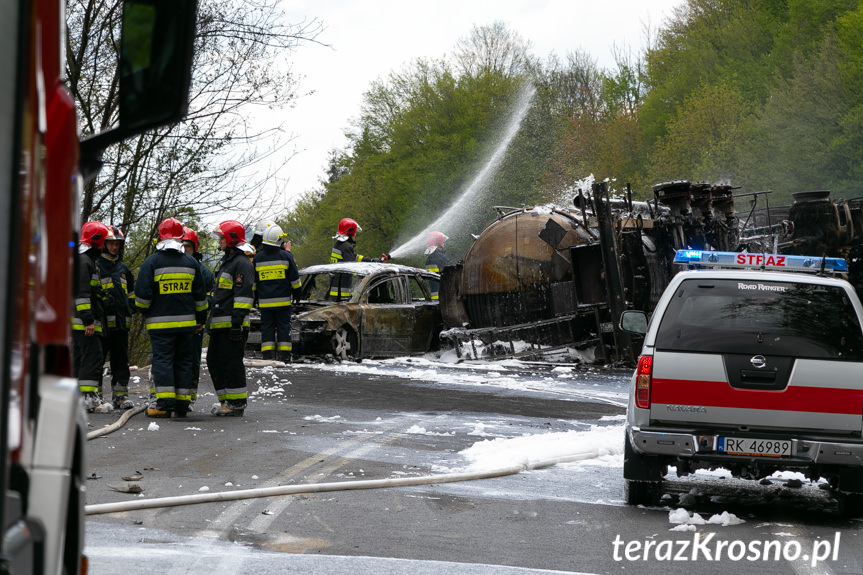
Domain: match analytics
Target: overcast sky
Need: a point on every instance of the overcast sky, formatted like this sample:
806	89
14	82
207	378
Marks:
371	38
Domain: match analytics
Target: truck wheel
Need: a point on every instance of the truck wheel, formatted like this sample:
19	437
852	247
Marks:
851	504
642	492
642	476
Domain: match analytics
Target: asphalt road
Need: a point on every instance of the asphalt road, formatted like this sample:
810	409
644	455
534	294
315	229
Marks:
308	425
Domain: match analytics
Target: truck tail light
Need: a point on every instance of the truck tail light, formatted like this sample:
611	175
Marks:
643	376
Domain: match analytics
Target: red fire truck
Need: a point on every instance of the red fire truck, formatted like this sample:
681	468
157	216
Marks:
43	166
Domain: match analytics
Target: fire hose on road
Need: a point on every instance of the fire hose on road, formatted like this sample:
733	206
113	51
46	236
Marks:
101	508
281	490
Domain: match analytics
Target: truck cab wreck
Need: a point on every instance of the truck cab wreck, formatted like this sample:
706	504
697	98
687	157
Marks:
558	278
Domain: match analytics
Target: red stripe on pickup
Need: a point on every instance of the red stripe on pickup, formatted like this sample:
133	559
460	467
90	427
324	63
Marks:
721	394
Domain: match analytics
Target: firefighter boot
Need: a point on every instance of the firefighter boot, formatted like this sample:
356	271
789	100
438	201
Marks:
227	409
161	408
121	401
267	354
94	404
181	408
285	356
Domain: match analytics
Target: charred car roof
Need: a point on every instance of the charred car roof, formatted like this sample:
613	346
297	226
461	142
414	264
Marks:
365	268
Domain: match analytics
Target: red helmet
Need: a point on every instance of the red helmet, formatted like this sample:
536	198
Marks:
436	239
171	229
233	232
349	227
191	235
93	234
115	233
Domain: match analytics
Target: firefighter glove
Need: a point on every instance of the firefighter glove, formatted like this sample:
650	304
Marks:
236	334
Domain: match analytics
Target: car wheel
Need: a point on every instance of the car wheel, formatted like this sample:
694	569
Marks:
642	476
344	343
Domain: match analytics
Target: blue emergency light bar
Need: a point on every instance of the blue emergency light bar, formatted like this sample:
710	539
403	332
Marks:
760	261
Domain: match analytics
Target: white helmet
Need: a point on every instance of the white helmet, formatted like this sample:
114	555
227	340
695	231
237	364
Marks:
273	235
262	226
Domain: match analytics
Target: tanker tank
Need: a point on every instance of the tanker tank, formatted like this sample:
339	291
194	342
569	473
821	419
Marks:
518	268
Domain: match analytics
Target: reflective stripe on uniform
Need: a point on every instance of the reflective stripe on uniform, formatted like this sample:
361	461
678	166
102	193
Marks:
267	271
225	281
243	302
268	345
88	385
285	346
174	273
224	321
171	321
78	325
143	303
233	394
274	302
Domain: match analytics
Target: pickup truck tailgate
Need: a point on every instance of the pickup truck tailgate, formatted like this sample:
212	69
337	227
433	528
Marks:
695	388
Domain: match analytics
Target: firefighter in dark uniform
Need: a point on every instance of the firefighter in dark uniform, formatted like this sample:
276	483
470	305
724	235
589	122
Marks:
170	293
228	325
258	233
192	246
344	250
277	283
436	259
118	285
88	320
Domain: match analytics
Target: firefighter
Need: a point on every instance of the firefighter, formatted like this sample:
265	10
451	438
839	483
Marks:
192	247
344	251
277	283
170	293
436	258
118	287
258	233
229	324
344	248
88	320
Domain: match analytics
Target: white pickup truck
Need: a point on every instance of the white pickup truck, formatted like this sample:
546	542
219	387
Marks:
752	369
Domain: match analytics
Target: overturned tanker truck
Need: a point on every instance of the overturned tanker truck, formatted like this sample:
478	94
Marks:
543	279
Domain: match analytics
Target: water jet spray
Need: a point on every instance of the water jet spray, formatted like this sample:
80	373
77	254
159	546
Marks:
450	221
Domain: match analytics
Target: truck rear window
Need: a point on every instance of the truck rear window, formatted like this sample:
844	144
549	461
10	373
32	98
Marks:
777	318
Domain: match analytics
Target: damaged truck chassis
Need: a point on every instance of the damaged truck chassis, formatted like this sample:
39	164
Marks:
541	279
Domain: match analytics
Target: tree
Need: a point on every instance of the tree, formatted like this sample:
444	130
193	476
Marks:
806	138
493	49
241	60
703	138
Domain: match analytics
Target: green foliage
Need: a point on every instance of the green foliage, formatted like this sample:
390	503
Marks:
765	95
702	139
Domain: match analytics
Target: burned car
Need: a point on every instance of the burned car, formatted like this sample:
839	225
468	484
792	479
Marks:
365	310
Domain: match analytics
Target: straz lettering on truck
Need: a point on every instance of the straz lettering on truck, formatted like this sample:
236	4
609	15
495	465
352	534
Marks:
761	260
175	286
761	287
